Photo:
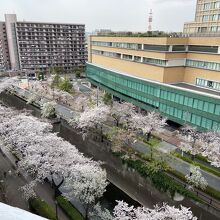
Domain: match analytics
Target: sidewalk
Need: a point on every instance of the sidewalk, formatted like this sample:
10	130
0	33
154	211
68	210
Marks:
44	191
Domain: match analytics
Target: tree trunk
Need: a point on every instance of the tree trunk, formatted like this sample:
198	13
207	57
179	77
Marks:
151	153
87	212
102	138
56	187
117	123
193	146
148	136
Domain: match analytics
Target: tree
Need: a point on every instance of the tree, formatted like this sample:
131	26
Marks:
8	82
148	123
124	212
59	70
120	138
101	213
121	112
43	154
195	178
212	152
55	81
78	72
190	136
65	85
91	118
33	98
107	99
48	109
87	187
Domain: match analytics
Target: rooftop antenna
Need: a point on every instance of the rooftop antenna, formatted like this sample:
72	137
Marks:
150	20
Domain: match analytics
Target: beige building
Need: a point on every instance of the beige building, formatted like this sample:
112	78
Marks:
207	19
194	61
178	77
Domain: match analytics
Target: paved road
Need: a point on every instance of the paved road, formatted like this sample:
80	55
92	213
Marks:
11	185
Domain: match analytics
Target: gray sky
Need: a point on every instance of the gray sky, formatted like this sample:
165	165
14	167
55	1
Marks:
118	15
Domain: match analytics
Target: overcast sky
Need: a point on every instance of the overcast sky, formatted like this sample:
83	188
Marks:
118	15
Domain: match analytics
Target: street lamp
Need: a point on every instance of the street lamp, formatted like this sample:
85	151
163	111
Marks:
56	206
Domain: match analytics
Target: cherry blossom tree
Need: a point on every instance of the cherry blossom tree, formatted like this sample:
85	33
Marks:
8	82
100	212
43	154
206	144
120	138
195	178
87	187
33	98
148	123
48	109
211	150
91	118
121	112
190	136
125	212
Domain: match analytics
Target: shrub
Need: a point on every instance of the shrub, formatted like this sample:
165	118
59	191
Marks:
48	110
65	85
40	207
69	209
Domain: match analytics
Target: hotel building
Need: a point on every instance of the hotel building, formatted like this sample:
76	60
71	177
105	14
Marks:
207	19
39	46
178	77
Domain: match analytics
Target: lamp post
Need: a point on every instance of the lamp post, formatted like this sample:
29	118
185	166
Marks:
56	206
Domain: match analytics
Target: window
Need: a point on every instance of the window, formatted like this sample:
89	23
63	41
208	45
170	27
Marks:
202	29
179	48
205	18
217	5
215	17
137	59
207	6
203	64
127	57
156	47
154	61
208	83
214	29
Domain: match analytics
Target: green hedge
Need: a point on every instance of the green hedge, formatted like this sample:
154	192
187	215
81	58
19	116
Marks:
212	192
202	166
40	207
69	209
209	190
160	180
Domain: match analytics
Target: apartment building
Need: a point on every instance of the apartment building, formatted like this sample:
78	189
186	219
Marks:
207	19
4	54
178	77
39	45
